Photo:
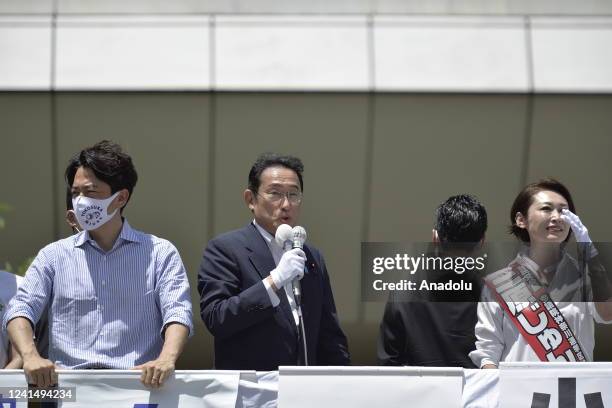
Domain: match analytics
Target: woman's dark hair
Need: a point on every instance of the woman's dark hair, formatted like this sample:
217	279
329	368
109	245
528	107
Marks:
524	199
266	160
108	162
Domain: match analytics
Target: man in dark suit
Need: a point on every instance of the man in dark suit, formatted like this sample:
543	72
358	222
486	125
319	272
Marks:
245	279
437	328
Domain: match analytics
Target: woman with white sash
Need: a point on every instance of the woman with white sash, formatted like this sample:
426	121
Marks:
540	307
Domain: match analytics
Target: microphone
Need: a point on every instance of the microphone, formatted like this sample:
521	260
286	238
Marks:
298	238
288	238
284	236
284	239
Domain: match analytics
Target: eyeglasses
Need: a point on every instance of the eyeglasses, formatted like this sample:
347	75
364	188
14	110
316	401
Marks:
294	197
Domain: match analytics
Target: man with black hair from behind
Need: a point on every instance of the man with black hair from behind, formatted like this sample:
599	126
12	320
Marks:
437	328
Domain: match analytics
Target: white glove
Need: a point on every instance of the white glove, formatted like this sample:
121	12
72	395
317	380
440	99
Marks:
580	231
290	266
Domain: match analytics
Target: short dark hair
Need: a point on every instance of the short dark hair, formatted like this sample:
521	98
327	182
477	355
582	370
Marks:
524	199
68	199
108	162
461	219
266	160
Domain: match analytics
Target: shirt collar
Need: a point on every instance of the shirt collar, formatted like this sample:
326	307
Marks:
545	275
127	234
265	234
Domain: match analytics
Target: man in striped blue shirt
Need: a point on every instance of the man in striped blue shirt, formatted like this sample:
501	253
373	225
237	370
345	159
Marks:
118	298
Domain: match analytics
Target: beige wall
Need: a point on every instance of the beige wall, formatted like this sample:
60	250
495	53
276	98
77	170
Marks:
26	175
376	167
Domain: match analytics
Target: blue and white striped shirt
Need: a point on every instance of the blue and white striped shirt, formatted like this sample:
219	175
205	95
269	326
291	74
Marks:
107	309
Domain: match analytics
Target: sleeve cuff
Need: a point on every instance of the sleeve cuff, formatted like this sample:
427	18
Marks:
177	319
486	361
15	314
480	358
273	297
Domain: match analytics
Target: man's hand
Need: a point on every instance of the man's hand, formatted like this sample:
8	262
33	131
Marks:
290	266
39	371
15	361
155	372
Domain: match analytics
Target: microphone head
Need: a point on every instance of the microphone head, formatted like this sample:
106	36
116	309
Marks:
283	234
299	236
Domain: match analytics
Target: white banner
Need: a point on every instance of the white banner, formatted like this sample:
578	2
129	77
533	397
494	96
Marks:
552	385
258	390
480	389
10	381
123	389
354	387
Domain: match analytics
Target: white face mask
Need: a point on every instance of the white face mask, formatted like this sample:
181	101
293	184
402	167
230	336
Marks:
92	213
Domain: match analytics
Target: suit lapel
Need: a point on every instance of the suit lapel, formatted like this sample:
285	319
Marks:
259	253
263	262
309	279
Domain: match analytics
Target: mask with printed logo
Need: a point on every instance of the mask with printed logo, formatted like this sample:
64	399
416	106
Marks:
92	213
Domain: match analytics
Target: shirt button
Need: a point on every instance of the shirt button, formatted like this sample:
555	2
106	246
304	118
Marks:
103	283
102	307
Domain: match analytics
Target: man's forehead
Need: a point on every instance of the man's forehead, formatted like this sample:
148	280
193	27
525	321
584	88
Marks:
83	184
279	175
85	177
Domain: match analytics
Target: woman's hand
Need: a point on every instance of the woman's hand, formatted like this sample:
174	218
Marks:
580	231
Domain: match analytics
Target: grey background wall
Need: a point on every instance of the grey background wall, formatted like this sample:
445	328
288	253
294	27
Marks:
376	167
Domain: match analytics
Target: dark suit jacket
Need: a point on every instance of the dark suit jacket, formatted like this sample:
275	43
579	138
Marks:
434	329
437	334
249	333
